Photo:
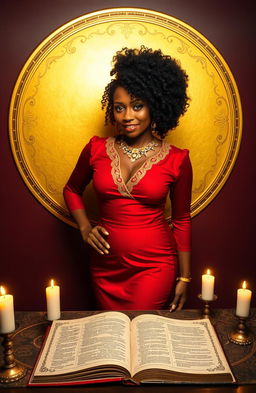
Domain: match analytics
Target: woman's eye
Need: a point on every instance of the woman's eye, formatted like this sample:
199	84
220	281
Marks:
118	108
138	107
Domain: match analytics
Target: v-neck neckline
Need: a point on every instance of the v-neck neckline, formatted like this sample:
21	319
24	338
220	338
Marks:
125	188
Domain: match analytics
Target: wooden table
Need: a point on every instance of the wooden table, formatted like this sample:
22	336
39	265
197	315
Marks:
31	327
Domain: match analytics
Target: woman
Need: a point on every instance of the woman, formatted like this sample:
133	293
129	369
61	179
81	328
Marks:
134	252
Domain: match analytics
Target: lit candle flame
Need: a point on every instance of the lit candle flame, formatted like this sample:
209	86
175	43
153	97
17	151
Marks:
244	285
52	283
2	290
208	271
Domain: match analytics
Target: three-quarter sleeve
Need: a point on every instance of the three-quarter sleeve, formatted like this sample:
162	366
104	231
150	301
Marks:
80	177
180	195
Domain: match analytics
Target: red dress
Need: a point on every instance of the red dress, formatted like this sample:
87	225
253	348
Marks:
140	269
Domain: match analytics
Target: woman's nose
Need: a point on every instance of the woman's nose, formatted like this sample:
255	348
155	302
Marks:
128	114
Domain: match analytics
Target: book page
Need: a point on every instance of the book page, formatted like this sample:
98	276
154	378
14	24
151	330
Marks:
176	345
76	344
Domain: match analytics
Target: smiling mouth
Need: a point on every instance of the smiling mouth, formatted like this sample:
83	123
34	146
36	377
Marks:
130	127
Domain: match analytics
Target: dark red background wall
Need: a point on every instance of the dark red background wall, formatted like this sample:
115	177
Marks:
36	246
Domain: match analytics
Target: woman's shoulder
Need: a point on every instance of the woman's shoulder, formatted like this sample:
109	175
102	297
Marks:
97	146
95	142
178	157
178	153
98	140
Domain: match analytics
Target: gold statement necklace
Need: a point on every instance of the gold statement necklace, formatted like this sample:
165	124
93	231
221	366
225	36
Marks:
135	153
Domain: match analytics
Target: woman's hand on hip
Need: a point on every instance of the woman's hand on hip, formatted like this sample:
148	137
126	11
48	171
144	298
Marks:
94	237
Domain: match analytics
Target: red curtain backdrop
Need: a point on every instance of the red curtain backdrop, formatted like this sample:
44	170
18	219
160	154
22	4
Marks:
36	246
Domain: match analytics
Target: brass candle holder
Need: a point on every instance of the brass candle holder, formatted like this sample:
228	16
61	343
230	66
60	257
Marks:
10	371
206	309
242	334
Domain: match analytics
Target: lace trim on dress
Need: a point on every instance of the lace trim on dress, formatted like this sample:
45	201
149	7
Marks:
126	189
147	165
116	169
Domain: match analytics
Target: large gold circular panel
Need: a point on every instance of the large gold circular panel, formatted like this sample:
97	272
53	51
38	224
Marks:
55	107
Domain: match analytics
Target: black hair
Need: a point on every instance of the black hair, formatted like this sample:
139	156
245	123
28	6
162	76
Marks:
155	78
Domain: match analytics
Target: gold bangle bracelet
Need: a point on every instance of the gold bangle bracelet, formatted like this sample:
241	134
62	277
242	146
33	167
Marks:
184	279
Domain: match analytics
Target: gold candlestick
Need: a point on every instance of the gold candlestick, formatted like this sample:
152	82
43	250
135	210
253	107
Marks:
10	371
241	335
206	309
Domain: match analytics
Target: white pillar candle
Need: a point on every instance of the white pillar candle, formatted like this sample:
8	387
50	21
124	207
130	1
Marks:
7	321
53	301
207	286
243	301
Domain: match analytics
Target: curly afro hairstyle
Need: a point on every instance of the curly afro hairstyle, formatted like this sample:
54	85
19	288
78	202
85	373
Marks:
154	78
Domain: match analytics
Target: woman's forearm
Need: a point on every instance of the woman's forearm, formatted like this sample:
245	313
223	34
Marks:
184	263
81	220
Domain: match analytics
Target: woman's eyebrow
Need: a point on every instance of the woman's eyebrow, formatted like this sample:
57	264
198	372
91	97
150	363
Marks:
136	99
132	101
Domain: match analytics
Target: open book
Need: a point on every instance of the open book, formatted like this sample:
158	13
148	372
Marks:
149	349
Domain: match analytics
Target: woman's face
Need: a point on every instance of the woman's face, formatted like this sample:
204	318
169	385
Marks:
131	114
